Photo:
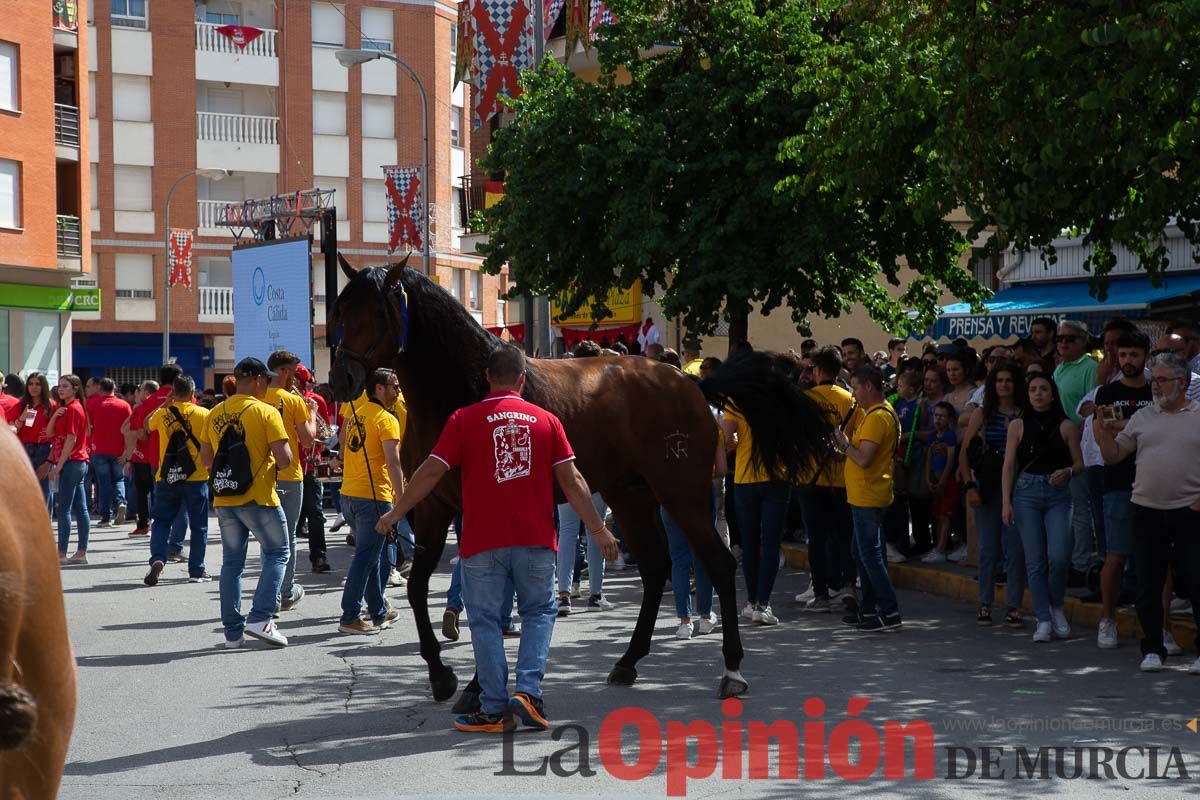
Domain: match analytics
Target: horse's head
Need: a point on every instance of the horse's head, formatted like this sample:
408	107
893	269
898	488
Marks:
370	315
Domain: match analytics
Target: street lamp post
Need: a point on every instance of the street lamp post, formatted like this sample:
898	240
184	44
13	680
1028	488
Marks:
211	174
350	58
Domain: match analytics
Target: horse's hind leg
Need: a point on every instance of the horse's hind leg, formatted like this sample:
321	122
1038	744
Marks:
636	512
431	519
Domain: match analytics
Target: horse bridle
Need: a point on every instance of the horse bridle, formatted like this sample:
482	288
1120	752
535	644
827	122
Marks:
367	358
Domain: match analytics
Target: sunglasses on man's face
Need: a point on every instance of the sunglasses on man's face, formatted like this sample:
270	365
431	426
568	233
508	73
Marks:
1068	337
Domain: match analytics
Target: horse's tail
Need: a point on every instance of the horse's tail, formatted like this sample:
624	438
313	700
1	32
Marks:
18	716
790	431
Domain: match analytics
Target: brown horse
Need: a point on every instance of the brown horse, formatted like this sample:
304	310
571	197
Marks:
643	433
37	668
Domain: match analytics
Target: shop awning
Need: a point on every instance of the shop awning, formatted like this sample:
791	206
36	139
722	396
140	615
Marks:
1012	310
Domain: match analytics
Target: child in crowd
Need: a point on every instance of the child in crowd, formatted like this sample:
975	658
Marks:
943	447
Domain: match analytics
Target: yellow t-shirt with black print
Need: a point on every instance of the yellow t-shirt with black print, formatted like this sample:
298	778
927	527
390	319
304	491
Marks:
294	411
364	468
262	426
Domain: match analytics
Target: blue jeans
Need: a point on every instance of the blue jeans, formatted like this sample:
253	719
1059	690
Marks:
1081	522
878	595
682	561
111	481
570	529
1043	515
129	492
369	569
454	598
486	577
269	527
1118	522
72	500
179	526
761	513
187	500
997	542
291	496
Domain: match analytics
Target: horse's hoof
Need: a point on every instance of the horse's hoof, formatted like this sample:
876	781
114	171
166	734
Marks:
468	702
622	675
444	685
732	687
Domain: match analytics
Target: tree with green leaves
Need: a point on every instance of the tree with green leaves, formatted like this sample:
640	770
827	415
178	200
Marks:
681	167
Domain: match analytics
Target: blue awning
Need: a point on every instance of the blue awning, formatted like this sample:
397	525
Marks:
1011	311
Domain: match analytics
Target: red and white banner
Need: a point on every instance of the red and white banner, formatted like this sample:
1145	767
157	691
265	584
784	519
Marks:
179	261
405	208
503	34
240	35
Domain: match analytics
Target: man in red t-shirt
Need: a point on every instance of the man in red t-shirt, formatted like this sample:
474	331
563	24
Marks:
7	402
312	517
107	413
510	454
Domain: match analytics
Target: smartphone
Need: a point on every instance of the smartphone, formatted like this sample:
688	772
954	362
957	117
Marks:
1110	413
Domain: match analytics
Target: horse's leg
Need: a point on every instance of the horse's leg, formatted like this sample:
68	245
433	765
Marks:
431	519
691	511
636	512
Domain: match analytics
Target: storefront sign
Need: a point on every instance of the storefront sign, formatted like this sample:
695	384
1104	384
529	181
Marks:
49	298
625	305
272	299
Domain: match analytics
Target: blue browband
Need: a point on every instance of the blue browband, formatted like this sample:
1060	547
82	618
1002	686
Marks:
403	296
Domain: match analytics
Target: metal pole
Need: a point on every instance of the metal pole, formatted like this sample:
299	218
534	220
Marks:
166	339
532	334
424	158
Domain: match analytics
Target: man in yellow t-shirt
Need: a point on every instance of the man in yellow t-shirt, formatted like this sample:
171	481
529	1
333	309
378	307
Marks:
823	503
870	451
255	511
176	491
297	413
370	480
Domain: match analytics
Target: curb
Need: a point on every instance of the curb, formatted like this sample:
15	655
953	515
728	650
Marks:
948	581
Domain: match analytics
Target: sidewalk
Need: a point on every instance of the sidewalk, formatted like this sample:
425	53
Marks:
953	581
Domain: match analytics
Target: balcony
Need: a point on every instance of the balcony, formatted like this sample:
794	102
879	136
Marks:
70	242
1029	267
66	132
216	304
237	142
66	25
219	59
209	212
478	192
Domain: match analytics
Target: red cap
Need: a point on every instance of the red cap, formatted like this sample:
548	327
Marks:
303	374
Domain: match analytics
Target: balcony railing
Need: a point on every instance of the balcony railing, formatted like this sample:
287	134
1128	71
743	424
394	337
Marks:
66	125
208	40
240	128
473	198
212	211
216	304
70	238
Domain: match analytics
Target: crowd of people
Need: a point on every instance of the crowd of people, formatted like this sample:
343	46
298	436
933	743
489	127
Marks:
1070	455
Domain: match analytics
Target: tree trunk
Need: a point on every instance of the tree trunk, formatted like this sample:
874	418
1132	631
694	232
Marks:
739	331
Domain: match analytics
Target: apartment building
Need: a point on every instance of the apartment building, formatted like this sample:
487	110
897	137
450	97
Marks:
174	94
43	184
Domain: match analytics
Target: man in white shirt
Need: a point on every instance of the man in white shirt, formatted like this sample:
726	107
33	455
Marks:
1166	497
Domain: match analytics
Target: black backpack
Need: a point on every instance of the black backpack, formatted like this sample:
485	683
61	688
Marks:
231	472
177	463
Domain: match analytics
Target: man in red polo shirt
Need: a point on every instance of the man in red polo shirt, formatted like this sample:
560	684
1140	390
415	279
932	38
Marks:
107	413
510	453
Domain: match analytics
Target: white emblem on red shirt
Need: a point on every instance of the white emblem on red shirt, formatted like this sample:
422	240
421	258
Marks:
511	445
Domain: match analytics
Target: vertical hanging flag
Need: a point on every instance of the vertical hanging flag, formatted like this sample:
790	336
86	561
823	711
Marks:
404	207
577	25
240	35
464	48
600	16
503	32
553	9
179	262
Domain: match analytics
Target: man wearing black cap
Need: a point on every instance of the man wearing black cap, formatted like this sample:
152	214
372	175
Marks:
256	511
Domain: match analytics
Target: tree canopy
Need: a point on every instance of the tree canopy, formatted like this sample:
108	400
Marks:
801	151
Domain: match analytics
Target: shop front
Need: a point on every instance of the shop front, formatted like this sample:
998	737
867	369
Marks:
35	327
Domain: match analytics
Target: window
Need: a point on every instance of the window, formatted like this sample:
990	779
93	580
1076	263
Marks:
129	14
94	186
457	208
131	98
10	193
217	18
456	126
329	113
340	199
456	285
476	283
374	201
135	276
92	107
378	117
131	188
328	25
215	271
10	77
377	29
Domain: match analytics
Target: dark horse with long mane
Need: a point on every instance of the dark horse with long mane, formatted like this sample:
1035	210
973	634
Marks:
643	434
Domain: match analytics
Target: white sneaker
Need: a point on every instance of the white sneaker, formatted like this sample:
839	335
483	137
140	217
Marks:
1106	638
338	522
454	561
1181	607
395	579
233	644
934	556
894	556
707	624
618	563
267	632
763	616
1042	634
1173	648
840	596
806	595
1152	663
748	612
684	631
1062	628
782	561
959	554
1194	669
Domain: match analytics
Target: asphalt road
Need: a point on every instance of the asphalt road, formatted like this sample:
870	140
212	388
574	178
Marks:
165	711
